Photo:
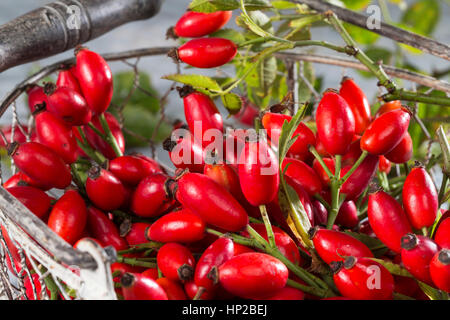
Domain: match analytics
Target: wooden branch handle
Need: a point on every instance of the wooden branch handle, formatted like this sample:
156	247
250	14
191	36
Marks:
64	24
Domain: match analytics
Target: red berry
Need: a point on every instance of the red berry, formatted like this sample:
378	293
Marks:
384	165
363	279
348	215
336	246
140	287
253	275
360	178
55	134
403	151
335	123
176	262
420	198
104	230
68	105
172	288
388	220
68	216
288	293
67	79
95	79
207	52
219	252
389	106
150	199
36	200
303	175
320	171
440	270
41	164
212	202
136	233
36	96
417	253
104	189
131	170
442	235
259	173
196	24
385	132
358	103
185	151
182	226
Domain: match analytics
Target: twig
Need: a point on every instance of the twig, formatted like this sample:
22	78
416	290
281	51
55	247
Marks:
420	42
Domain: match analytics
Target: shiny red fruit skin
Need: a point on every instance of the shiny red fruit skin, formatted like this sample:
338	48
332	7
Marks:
173	289
191	290
142	288
227	177
385	132
219	252
100	144
389	106
197	24
273	122
354	282
67	79
320	213
442	235
202	115
417	259
36	200
259	173
323	176
288	293
136	234
253	275
388	220
440	270
70	106
105	190
21	179
335	123
150	198
241	249
335	246
303	174
182	226
104	230
348	215
42	164
248	113
212	202
186	152
36	96
360	178
358	103
403	151
19	137
207	52
172	258
95	79
55	134
284	242
384	165
353	153
130	169
420	198
68	216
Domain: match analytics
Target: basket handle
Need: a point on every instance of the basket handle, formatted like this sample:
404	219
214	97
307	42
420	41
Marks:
64	24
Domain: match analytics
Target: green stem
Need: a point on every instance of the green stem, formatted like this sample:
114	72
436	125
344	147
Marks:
383	180
109	136
268	225
136	262
322	201
238	239
335	189
316	155
354	167
416	97
91	153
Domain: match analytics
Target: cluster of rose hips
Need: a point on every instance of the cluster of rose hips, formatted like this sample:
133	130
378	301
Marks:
219	230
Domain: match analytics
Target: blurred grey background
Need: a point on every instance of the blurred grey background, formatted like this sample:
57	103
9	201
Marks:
151	33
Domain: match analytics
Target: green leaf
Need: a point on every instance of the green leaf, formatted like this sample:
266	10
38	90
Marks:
199	82
148	97
232	102
422	16
394	268
230	34
208	6
283	5
267	74
356	4
361	35
140	121
304	94
432	293
375	245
